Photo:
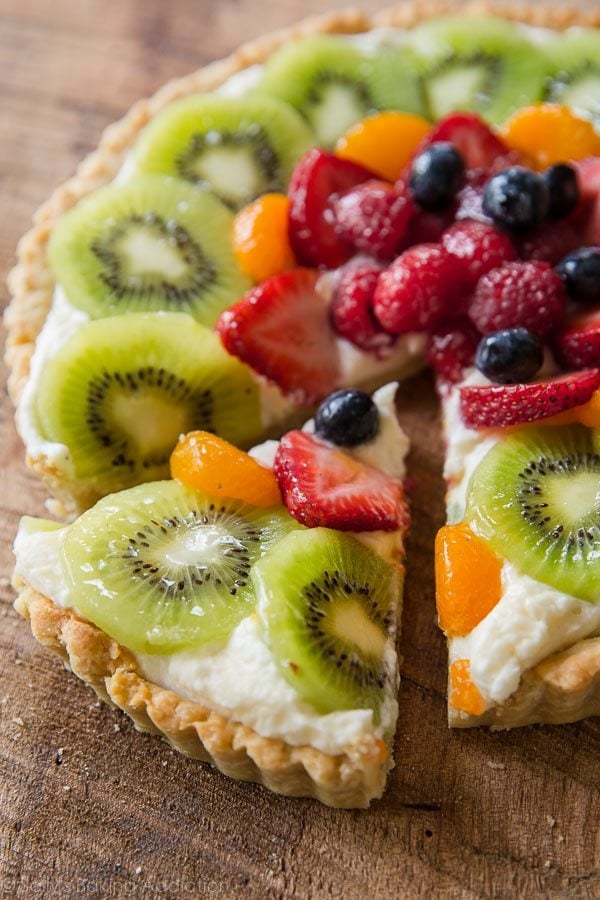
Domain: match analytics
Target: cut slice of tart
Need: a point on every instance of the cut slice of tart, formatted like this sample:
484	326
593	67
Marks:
207	610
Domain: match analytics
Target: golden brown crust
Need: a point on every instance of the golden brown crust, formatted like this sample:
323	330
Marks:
348	780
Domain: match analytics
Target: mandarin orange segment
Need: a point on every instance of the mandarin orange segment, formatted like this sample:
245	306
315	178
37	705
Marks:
464	694
384	142
468	582
260	237
585	414
207	462
550	133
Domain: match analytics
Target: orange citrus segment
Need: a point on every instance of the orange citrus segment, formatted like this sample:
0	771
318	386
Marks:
207	462
549	133
586	414
260	237
384	142
467	574
464	694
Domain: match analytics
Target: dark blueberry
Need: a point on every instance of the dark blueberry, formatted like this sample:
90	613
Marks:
347	418
510	356
563	190
437	174
580	271
516	199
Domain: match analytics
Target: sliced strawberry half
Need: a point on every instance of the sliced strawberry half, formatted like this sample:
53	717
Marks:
318	179
578	345
479	146
587	214
324	486
281	329
498	405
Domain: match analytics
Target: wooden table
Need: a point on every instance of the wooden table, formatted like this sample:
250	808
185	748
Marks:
88	805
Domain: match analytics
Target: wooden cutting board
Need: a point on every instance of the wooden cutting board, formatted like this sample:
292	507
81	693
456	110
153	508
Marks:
88	805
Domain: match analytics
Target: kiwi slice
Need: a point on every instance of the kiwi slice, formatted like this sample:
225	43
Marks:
160	567
155	243
536	498
120	391
482	64
238	147
574	70
328	607
333	84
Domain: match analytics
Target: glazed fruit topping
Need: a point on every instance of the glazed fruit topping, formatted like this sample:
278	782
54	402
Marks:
372	218
347	418
436	176
281	329
418	289
326	487
452	348
551	133
509	356
499	405
475	141
260	237
352	305
317	180
516	199
563	190
580	271
479	248
578	346
530	294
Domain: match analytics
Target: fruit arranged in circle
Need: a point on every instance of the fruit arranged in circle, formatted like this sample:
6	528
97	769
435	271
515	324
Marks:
151	244
326	604
238	147
206	462
551	133
384	142
535	498
160	567
121	390
260	237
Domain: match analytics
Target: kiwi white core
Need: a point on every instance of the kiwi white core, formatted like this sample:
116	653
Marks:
349	622
573	499
201	547
464	81
337	110
145	253
149	419
231	171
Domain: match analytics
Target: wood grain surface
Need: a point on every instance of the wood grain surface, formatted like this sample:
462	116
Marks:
87	805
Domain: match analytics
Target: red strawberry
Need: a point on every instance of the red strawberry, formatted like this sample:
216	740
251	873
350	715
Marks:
373	218
318	179
478	247
549	242
452	348
480	147
417	290
352	305
323	486
497	405
281	329
587	213
578	345
530	294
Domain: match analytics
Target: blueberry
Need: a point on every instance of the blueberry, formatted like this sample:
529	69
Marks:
347	418
510	356
437	174
516	199
563	190
580	271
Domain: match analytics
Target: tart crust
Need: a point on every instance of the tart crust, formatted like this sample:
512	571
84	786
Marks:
564	687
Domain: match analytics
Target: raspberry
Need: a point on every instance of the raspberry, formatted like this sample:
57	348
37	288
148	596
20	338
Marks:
479	248
352	305
417	290
530	294
452	348
549	242
373	218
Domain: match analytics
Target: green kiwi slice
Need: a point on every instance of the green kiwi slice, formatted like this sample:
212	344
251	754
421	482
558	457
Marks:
160	567
574	70
536	498
481	64
334	85
155	243
327	605
121	390
239	148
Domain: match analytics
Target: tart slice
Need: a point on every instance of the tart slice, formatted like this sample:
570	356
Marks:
245	610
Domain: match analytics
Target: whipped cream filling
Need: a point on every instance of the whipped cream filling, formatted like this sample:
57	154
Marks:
239	677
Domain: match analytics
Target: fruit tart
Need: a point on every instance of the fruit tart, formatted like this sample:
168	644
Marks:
246	609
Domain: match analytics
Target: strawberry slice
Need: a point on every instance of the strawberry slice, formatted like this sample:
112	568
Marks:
480	147
578	345
316	182
324	486
281	329
497	405
587	213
